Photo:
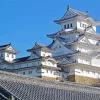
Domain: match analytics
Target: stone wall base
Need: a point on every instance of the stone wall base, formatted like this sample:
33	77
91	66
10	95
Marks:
48	78
83	80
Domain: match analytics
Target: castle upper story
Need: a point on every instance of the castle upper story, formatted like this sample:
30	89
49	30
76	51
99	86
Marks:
75	19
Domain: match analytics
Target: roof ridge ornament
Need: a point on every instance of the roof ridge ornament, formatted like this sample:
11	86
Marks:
87	11
68	7
35	42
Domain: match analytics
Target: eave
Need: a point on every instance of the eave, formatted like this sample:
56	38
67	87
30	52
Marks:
95	22
64	20
40	49
68	31
82	65
37	67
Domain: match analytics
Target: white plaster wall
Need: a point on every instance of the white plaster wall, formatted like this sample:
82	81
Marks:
84	49
53	74
35	72
82	22
88	72
69	37
10	56
83	61
95	62
42	72
48	63
60	51
27	64
69	22
85	23
45	54
83	71
93	41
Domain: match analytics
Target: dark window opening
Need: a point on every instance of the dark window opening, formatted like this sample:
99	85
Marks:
71	25
68	26
64	26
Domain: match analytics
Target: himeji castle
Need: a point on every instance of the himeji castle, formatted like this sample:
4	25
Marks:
73	55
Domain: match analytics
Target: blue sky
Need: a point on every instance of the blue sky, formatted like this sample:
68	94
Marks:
24	22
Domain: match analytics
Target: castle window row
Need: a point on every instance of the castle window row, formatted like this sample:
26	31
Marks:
9	55
68	26
33	64
47	71
88	72
83	25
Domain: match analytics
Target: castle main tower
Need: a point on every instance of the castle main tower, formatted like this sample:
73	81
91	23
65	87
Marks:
77	46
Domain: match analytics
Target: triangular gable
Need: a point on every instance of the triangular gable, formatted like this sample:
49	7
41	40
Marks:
10	48
59	47
84	40
35	46
67	15
91	30
51	59
64	61
33	56
95	55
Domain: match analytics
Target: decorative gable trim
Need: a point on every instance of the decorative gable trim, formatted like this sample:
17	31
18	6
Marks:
34	55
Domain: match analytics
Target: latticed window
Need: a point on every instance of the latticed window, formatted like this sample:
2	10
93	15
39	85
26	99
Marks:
68	26
64	26
71	25
1	55
7	55
23	73
59	46
30	72
47	71
12	56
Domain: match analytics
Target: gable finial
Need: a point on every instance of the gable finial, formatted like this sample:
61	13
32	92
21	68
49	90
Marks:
35	42
68	6
87	12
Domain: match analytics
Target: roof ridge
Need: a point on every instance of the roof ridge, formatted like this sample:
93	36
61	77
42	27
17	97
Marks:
30	80
5	45
75	11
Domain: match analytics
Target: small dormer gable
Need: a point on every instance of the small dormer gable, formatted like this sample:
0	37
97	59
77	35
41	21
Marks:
59	48
11	49
34	55
7	52
40	51
64	61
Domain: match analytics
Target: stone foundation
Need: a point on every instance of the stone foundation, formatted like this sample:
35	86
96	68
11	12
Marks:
48	78
83	80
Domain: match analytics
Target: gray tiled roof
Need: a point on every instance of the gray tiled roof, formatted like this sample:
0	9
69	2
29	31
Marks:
29	88
38	47
75	13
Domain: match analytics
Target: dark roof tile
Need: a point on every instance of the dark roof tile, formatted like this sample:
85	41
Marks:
30	88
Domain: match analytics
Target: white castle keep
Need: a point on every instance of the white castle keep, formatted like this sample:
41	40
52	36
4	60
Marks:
74	53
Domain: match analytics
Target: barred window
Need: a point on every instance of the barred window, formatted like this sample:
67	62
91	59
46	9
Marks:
71	25
23	73
64	26
7	55
30	72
